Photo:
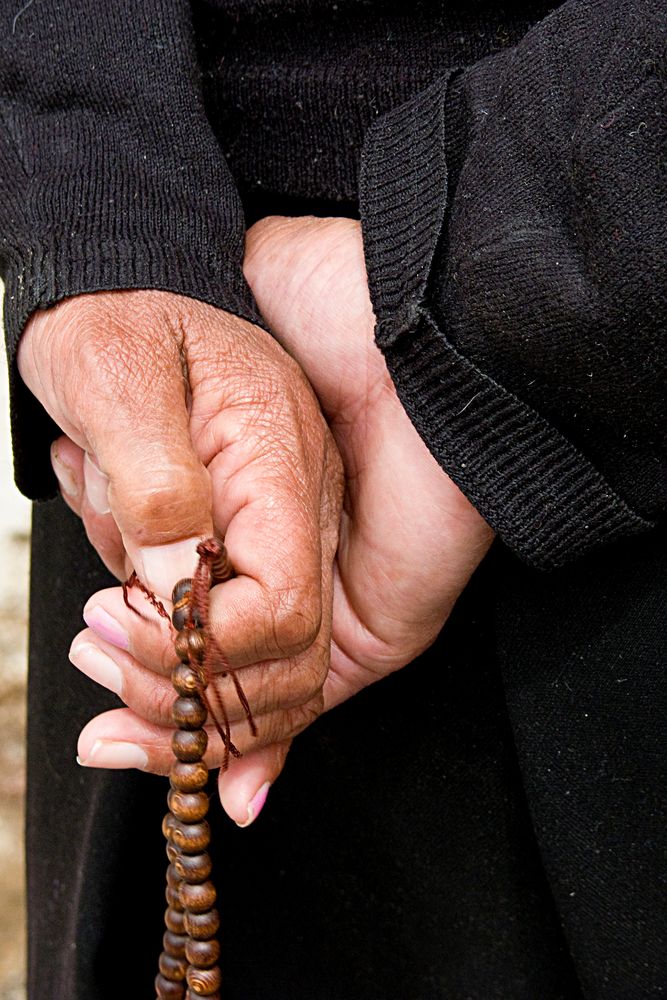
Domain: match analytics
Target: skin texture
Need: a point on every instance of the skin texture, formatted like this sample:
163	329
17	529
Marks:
200	423
408	540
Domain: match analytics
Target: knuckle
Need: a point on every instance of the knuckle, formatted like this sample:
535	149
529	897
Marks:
296	616
158	707
303	716
172	498
283	725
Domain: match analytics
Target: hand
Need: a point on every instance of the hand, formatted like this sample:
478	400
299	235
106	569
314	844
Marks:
409	539
182	421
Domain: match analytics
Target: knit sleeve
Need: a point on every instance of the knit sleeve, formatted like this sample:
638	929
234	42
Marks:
110	175
516	245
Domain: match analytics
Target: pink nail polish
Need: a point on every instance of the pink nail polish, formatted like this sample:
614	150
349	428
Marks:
256	804
106	627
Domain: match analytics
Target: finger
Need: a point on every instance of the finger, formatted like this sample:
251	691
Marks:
125	392
121	739
67	464
244	786
84	490
280	545
139	628
100	524
267	686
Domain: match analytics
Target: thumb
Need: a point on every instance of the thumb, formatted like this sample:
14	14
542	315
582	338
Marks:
110	368
158	493
244	786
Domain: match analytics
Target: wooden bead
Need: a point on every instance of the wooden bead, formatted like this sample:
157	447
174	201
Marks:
168	825
221	567
189	713
190	646
172	895
189	808
181	614
189	746
173	968
172	852
174	879
189	995
203	982
174	944
194	867
203	954
181	589
185	679
191	838
189	777
197	898
167	990
202	926
174	919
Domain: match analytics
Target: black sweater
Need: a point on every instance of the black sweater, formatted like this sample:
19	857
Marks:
506	165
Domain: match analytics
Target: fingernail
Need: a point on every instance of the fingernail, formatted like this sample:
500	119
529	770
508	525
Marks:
106	753
64	474
104	625
92	662
256	804
162	566
97	486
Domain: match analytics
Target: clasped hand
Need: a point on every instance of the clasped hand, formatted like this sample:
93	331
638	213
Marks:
180	421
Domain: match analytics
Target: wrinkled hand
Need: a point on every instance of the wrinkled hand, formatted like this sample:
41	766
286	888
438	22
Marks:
409	539
181	421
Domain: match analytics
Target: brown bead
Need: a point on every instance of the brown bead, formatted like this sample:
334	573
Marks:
189	808
181	589
203	982
203	954
191	838
174	919
190	646
174	878
194	867
221	566
172	968
189	995
182	614
202	926
188	777
186	679
189	746
174	944
197	898
171	894
168	825
172	852
167	990
189	713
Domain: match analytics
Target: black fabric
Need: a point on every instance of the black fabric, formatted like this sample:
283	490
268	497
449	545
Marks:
510	193
505	287
487	823
110	175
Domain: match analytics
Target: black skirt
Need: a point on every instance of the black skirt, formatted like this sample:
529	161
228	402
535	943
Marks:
483	824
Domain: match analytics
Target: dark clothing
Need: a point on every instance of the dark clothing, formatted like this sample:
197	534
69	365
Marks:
513	212
485	823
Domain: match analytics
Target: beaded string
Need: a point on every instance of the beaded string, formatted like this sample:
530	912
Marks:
188	965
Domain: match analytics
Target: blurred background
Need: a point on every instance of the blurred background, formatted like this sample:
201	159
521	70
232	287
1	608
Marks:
14	539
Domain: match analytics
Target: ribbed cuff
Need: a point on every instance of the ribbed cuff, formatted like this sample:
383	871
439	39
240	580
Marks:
544	498
47	273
